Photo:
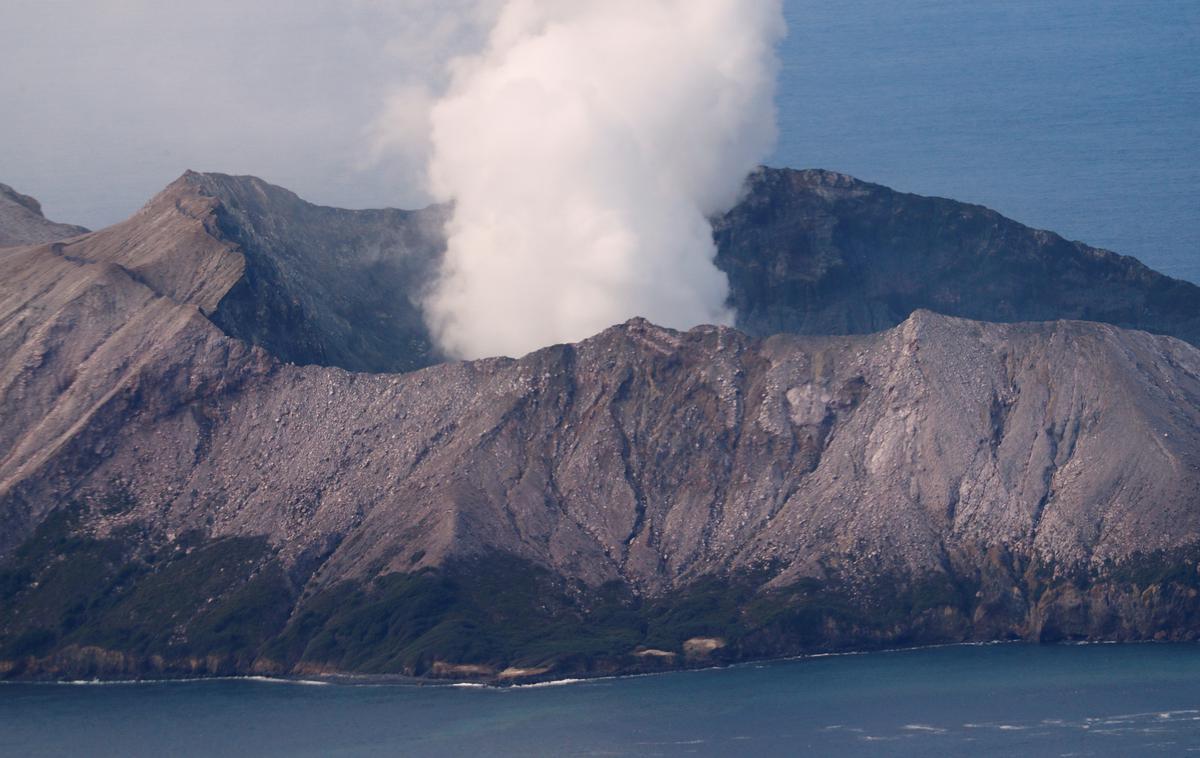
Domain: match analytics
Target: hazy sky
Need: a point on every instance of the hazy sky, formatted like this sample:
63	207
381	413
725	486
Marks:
106	101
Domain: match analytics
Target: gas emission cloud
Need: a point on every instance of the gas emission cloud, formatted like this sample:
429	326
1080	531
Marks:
584	147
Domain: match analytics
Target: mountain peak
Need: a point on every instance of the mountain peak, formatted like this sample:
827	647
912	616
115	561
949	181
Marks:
25	201
23	223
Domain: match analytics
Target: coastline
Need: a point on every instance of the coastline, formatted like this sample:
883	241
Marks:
349	679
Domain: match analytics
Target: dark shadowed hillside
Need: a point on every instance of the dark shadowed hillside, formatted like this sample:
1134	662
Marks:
325	285
814	252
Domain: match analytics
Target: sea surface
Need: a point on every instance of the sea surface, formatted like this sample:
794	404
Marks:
1079	116
1002	700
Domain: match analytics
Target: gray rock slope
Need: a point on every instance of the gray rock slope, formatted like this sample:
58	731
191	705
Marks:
22	222
641	455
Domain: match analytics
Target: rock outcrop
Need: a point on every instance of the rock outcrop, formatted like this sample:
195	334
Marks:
22	222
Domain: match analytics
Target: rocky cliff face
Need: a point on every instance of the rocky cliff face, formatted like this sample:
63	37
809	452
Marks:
175	499
22	222
813	252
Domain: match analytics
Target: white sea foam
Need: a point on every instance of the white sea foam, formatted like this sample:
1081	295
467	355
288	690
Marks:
187	680
284	680
551	683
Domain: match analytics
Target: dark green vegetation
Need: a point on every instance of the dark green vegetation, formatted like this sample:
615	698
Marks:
75	604
190	599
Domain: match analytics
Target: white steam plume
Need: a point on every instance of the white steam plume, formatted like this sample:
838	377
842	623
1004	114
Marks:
584	149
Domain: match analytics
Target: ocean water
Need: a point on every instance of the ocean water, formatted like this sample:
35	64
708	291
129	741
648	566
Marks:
1012	699
1079	116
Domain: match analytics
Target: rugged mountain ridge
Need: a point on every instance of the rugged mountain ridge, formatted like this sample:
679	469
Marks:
807	252
22	221
177	500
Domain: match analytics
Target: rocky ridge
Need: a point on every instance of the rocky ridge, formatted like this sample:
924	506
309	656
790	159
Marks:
807	252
